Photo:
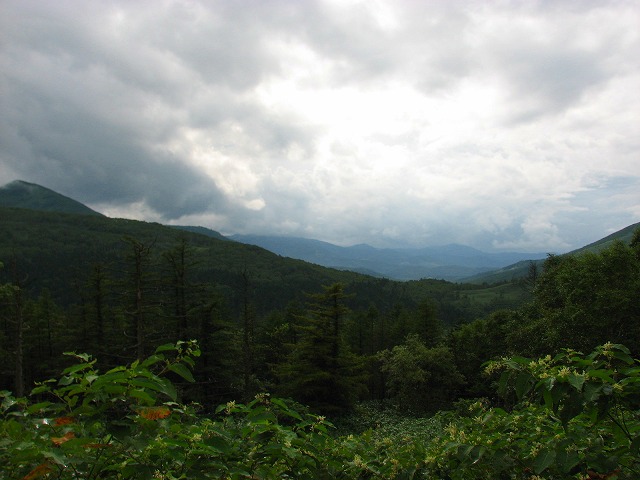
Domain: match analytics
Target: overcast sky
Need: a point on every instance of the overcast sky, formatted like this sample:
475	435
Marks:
497	124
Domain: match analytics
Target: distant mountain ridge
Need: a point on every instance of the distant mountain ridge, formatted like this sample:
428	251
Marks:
207	232
457	263
448	262
521	269
21	194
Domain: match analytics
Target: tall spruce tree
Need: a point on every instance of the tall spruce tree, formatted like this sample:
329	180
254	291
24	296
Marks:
320	370
140	287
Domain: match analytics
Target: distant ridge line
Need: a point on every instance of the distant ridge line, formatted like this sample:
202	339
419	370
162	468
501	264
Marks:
21	194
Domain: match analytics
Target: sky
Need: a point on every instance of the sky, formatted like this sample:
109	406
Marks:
503	125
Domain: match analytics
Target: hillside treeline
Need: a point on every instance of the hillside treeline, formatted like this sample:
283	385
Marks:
328	347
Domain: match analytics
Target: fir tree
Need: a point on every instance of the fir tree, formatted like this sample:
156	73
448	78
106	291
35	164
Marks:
320	370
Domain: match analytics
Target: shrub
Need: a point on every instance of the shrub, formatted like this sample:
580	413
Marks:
575	417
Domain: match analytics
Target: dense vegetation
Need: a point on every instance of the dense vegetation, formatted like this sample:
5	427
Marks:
120	287
367	353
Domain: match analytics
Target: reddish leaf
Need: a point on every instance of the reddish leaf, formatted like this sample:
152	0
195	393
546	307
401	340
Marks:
57	441
63	421
154	413
40	471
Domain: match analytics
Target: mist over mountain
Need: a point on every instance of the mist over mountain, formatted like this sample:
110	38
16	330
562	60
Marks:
448	262
452	262
520	269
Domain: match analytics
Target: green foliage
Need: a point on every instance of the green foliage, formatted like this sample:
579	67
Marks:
579	302
592	298
575	416
92	425
419	378
476	342
127	423
320	370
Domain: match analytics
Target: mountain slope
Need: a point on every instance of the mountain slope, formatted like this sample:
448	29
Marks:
21	194
55	251
521	269
448	262
624	235
201	230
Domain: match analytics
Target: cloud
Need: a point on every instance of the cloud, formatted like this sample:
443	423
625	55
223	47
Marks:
501	125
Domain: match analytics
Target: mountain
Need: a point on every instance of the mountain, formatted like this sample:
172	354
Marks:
57	251
521	269
452	262
21	194
448	262
624	235
200	230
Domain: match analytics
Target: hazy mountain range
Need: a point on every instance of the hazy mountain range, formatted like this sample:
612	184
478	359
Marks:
448	262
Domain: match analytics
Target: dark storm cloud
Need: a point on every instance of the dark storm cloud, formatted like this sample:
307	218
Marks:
77	151
93	89
345	120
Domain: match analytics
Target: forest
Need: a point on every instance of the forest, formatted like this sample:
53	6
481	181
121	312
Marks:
134	350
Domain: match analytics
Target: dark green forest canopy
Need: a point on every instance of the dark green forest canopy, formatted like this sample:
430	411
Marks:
54	250
120	287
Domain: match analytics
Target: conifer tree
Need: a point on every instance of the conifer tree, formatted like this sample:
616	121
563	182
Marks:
321	371
139	286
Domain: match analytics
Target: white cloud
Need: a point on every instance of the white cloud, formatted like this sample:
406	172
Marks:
496	124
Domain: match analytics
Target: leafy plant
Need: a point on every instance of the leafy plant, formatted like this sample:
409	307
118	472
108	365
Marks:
92	425
575	416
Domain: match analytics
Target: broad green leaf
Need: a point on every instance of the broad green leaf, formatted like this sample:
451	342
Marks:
111	378
40	389
577	381
523	384
168	388
544	460
156	384
592	392
36	407
147	383
624	356
142	395
183	371
519	361
56	457
477	453
66	380
83	356
114	389
548	399
566	461
264	417
76	368
189	361
167	347
503	382
604	375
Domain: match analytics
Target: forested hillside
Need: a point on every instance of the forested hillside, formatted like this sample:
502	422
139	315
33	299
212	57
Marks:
23	194
520	270
169	324
121	287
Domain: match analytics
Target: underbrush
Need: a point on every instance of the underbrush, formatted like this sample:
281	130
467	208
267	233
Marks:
570	417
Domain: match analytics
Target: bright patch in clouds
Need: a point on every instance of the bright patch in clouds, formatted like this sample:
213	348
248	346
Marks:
500	125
